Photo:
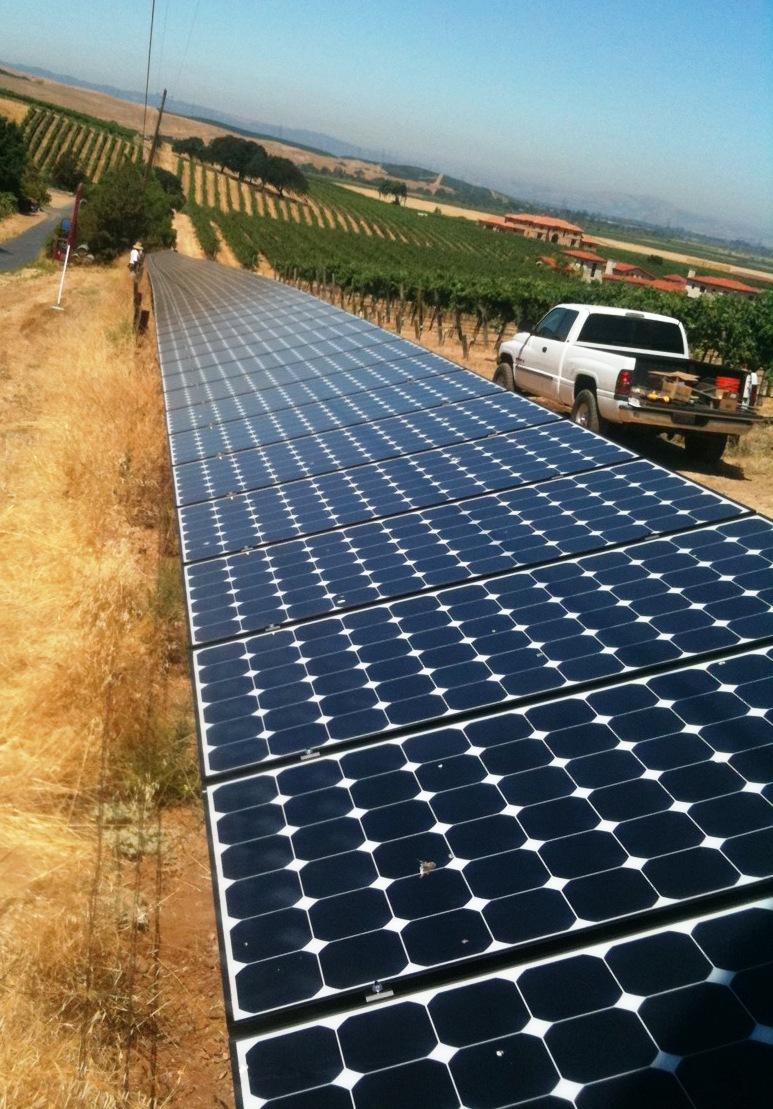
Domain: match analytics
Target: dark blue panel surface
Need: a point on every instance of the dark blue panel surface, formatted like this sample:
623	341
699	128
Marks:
385	489
663	1019
309	419
283	350
498	640
420	550
315	379
346	448
453	842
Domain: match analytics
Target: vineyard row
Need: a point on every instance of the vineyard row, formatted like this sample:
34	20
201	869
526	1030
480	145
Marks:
49	134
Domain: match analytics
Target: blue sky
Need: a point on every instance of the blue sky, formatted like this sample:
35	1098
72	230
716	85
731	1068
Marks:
665	98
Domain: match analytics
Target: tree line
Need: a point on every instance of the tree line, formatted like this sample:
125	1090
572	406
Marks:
247	159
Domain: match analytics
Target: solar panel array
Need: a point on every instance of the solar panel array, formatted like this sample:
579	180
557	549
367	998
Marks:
484	710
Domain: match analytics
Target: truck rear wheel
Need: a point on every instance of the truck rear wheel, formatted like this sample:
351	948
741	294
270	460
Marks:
586	411
705	448
503	375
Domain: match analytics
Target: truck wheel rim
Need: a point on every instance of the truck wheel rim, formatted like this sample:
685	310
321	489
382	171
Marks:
583	415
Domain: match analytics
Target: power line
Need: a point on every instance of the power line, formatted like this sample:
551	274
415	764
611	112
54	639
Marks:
147	72
187	43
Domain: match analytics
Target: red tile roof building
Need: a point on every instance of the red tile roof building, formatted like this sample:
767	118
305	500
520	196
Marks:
591	265
548	228
626	269
699	284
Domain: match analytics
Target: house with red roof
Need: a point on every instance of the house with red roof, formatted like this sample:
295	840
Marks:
627	269
547	228
587	263
494	223
702	285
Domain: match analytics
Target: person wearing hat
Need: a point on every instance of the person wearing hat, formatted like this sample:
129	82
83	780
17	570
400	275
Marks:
135	257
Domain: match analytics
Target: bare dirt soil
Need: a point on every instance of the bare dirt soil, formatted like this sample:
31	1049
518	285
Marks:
193	1062
14	110
187	242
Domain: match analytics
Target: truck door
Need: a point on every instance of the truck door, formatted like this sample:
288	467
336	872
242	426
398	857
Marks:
539	363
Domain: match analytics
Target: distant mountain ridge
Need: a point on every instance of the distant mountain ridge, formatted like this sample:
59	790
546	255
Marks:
647	212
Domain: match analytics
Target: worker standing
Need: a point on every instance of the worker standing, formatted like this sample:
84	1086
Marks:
135	258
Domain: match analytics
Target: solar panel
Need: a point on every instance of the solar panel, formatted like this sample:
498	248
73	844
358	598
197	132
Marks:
678	1017
485	535
301	327
243	469
258	429
451	843
484	714
315	378
499	640
387	488
195	369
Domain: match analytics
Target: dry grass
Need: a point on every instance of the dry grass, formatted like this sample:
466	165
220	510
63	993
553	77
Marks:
88	637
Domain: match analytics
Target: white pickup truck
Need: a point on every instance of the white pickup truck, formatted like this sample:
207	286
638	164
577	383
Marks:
614	366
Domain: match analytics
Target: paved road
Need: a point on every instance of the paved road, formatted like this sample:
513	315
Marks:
25	248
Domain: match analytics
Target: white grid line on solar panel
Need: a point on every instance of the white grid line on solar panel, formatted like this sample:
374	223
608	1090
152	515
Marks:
176	329
290	352
316	379
393	487
260	428
272	334
245	319
189	288
248	319
253	318
345	448
194	283
443	546
287	368
493	642
678	1016
260	375
412	854
183	312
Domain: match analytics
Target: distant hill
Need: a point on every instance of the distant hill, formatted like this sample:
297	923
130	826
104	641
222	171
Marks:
496	192
409	173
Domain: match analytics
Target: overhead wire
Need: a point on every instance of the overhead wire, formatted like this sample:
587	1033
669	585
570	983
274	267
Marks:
184	57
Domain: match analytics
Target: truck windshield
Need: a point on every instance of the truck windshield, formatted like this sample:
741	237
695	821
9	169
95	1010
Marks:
632	331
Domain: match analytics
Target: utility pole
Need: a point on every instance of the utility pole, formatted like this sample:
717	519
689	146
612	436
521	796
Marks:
154	144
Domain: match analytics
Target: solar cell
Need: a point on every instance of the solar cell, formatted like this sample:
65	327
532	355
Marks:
196	369
677	1017
420	550
453	842
244	469
236	321
339	411
495	641
387	488
337	375
301	327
